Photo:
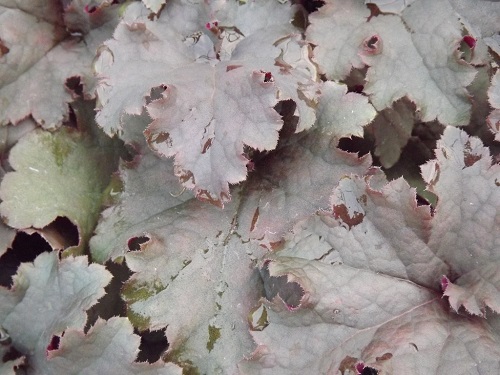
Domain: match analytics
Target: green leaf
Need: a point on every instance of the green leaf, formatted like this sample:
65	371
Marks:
57	174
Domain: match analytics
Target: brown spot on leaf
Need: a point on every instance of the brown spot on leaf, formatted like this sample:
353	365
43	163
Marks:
469	158
207	145
186	176
374	11
3	48
348	364
232	67
364	199
278	245
161	138
341	212
254	219
205	196
384	357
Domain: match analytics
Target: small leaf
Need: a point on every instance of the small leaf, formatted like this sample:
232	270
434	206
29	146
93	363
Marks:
56	174
494	99
37	36
48	297
109	346
343	114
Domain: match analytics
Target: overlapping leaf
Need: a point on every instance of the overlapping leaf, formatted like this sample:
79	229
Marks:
57	174
467	221
294	182
38	56
48	297
494	99
110	347
392	129
216	102
401	55
192	274
349	270
149	188
223	109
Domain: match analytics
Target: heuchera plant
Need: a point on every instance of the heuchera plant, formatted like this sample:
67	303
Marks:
250	187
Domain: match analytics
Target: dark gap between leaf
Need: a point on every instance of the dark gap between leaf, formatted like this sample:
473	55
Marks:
11	355
111	304
25	248
153	345
260	159
72	121
312	5
356	80
419	149
66	230
75	85
369	371
358	145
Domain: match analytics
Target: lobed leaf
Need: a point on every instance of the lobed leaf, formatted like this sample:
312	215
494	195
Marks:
336	291
294	182
193	277
31	84
342	114
217	95
466	224
223	109
108	347
400	53
56	174
48	297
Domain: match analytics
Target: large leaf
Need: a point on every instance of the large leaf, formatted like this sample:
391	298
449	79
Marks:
149	188
219	96
404	59
294	182
33	38
351	319
186	257
223	110
197	279
48	297
361	284
467	221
